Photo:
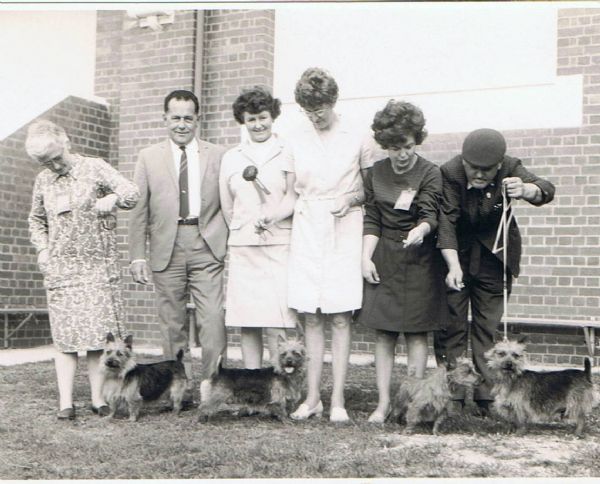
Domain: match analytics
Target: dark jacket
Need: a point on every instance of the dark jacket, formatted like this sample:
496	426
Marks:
473	215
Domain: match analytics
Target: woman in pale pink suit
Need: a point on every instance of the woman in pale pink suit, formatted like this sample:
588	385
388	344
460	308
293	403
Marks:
256	287
325	281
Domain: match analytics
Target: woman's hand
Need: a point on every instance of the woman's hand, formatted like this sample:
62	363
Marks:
263	222
105	205
342	205
42	259
369	271
415	237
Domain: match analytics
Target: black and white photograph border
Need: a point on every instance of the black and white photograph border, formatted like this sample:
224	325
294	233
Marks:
102	70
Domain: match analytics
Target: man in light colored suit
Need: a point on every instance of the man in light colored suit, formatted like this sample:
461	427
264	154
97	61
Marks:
180	213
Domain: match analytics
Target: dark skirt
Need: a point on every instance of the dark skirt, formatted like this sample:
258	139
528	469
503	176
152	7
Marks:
411	295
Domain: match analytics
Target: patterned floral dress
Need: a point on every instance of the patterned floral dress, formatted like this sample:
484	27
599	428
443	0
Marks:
82	277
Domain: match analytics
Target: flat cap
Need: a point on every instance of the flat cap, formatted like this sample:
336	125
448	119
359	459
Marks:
484	147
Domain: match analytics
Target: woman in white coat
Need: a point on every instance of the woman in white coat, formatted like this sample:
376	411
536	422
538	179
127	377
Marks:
325	282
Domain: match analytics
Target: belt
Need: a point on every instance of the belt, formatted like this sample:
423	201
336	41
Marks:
394	234
188	221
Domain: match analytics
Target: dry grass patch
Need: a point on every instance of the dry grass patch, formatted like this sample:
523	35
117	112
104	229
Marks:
161	445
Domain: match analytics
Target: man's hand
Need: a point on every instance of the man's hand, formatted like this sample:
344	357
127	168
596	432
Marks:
139	272
105	205
454	279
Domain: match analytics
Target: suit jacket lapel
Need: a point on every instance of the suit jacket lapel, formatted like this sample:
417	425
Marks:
170	164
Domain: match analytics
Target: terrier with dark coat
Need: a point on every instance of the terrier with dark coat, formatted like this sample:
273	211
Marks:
522	396
421	400
268	391
126	380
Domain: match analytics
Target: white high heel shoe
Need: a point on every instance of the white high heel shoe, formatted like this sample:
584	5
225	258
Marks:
303	412
379	418
338	415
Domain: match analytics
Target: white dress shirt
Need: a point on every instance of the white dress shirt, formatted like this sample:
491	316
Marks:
194	182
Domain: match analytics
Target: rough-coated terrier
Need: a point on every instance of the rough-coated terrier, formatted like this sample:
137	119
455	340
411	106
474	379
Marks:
421	400
268	391
126	380
522	396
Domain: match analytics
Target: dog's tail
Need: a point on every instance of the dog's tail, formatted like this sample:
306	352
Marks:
179	355
587	368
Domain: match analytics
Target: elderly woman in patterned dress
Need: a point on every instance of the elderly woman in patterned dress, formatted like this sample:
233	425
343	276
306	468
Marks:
73	229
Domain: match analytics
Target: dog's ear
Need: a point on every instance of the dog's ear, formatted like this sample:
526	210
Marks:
523	339
281	339
128	341
110	338
299	329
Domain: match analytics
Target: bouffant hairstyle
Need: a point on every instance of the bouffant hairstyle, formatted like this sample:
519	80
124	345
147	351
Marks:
315	88
43	137
181	95
396	121
253	101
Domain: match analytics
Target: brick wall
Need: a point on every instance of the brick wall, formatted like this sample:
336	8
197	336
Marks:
87	124
238	52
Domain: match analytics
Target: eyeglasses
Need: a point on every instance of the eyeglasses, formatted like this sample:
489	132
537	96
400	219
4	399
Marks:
318	113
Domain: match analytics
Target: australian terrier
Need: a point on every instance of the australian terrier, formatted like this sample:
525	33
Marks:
421	400
522	396
126	380
267	391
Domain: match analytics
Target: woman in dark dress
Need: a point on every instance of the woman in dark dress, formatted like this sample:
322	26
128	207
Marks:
403	269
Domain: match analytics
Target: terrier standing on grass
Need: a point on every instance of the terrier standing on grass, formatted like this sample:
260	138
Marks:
523	396
134	383
266	391
426	400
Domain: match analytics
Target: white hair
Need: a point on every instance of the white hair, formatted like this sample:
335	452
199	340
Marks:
43	137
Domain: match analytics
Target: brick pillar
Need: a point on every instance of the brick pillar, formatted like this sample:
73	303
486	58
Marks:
108	79
238	52
135	68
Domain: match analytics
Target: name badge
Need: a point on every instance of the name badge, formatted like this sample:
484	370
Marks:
405	199
63	204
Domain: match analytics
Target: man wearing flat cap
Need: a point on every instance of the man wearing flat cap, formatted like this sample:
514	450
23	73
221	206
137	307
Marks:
469	218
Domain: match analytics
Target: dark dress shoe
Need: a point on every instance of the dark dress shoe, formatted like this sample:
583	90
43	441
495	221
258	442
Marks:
66	414
482	408
101	411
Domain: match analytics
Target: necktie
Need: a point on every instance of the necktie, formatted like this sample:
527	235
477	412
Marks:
184	206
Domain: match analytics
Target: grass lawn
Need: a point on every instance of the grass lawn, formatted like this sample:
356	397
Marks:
160	445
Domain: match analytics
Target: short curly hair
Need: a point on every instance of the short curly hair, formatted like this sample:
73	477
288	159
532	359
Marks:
316	88
253	101
396	121
43	137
